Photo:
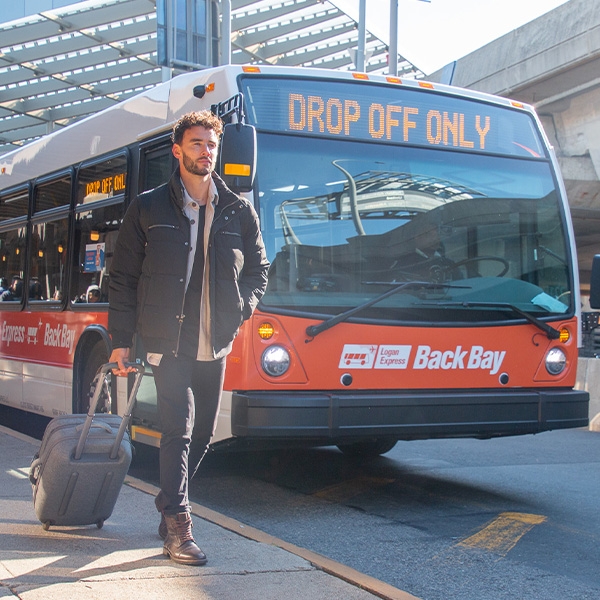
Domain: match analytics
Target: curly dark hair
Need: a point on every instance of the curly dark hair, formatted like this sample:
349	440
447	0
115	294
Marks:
203	118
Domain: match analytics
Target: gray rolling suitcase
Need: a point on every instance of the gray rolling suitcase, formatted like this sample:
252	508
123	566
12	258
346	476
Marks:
81	465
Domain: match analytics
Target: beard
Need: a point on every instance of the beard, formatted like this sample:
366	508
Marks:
191	167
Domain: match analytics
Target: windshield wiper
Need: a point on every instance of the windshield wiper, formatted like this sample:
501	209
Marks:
551	332
314	330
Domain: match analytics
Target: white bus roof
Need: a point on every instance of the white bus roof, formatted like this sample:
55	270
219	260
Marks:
155	110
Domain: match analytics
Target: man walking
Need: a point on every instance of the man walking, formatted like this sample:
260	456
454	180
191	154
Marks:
189	267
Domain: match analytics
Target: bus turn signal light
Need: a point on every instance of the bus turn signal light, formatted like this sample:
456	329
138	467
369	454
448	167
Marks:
565	335
266	331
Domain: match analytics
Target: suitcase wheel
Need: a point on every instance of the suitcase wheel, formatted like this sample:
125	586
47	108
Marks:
100	523
46	525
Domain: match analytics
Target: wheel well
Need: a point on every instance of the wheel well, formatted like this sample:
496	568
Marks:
89	338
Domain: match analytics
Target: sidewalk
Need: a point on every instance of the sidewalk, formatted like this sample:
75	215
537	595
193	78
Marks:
124	559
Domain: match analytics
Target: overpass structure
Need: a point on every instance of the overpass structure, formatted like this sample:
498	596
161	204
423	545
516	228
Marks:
553	63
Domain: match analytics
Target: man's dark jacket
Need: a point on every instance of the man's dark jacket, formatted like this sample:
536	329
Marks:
149	266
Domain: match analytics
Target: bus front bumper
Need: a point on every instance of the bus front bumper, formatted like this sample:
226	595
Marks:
338	417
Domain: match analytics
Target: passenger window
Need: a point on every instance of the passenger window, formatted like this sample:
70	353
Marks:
158	164
48	241
54	194
96	229
13	242
102	180
12	265
13	206
48	251
101	188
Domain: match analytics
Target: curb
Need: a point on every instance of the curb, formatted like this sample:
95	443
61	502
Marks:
370	584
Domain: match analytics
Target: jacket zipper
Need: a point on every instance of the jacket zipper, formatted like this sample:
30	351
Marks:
163	225
181	315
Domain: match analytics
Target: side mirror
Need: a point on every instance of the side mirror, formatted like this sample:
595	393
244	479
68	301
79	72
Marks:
238	157
595	283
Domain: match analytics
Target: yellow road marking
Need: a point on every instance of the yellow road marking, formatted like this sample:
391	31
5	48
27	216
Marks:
502	534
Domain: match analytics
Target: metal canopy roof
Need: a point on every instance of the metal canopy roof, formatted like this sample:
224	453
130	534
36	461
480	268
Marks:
59	66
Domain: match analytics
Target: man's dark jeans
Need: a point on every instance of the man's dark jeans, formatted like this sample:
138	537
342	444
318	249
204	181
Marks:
189	395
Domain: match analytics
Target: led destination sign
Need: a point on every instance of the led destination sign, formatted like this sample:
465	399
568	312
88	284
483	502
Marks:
107	185
392	122
391	114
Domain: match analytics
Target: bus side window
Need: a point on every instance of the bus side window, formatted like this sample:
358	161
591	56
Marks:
101	188
157	166
96	229
48	240
14	206
13	239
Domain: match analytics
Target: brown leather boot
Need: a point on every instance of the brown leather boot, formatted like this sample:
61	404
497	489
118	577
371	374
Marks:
179	543
162	528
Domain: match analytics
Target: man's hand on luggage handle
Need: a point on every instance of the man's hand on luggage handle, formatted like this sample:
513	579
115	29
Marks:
121	356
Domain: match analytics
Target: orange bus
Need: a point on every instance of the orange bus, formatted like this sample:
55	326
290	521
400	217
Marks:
423	280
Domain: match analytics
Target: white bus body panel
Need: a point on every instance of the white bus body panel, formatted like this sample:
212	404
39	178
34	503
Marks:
47	389
34	387
11	382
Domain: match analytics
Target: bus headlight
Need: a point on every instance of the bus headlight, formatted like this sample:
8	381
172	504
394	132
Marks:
275	361
555	361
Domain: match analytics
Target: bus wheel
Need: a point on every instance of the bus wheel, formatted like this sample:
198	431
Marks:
367	449
96	358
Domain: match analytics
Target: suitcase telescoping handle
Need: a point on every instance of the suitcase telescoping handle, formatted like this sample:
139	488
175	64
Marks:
98	381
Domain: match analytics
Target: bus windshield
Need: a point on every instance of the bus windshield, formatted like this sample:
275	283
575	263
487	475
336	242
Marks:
346	220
